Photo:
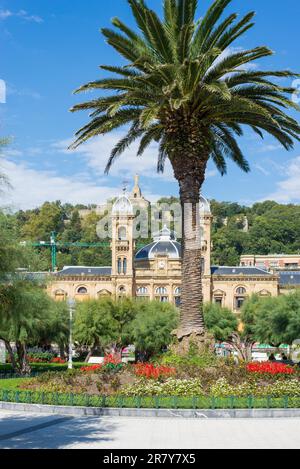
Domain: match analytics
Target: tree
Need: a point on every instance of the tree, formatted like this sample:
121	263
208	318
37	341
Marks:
9	250
274	320
226	327
95	328
153	326
185	87
221	322
24	319
58	329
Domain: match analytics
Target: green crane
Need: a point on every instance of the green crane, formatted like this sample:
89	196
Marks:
54	245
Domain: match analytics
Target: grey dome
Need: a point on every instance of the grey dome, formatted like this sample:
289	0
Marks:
164	244
122	206
204	206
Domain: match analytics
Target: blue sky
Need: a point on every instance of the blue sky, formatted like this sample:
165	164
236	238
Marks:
50	47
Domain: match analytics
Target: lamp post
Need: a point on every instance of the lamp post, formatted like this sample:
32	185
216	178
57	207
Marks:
71	304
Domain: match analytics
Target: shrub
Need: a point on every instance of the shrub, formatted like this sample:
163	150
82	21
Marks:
171	387
150	371
191	359
277	389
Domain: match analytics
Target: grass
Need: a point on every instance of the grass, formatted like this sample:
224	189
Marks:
11	384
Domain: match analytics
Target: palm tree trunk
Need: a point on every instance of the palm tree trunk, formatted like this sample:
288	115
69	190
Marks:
190	173
191	318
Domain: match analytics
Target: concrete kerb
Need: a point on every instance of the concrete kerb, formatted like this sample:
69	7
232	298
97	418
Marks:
151	413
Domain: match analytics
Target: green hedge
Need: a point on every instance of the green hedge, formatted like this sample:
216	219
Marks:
143	402
39	367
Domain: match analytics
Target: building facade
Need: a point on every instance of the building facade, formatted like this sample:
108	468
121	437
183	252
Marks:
154	272
272	262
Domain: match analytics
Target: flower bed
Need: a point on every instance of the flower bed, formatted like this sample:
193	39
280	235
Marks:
224	380
271	368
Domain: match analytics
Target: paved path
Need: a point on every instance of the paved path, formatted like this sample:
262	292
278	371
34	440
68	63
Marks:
28	430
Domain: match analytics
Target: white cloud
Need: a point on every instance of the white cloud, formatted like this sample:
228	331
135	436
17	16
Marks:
288	190
269	148
97	151
31	188
262	169
5	14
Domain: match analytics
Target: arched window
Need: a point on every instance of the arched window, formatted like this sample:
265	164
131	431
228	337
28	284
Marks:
241	291
122	233
142	291
162	294
161	291
177	297
143	294
82	291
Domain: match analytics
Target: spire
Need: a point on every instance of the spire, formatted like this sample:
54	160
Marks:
137	193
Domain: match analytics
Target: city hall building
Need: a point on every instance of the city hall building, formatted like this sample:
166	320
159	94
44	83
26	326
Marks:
154	271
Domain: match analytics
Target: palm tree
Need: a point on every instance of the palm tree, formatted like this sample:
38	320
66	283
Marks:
186	88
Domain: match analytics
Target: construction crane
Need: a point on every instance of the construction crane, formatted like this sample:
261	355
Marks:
54	245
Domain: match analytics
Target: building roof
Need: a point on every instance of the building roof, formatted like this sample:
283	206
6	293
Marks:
287	278
224	270
74	271
164	244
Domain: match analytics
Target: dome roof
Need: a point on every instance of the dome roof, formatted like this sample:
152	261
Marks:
164	244
204	206
122	206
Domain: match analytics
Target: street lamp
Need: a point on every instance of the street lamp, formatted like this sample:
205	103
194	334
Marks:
71	304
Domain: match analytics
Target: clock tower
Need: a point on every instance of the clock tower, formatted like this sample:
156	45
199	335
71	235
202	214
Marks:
122	246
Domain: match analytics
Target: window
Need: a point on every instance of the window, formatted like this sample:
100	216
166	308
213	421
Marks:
219	300
125	266
122	233
161	291
162	294
82	291
240	297
119	266
177	297
142	291
60	295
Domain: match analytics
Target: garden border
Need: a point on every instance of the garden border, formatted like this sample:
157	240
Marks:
152	413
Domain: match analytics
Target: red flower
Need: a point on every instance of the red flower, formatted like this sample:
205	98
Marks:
58	360
272	368
147	370
90	368
113	359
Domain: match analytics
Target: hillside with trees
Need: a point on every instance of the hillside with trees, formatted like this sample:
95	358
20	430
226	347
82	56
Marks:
264	228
